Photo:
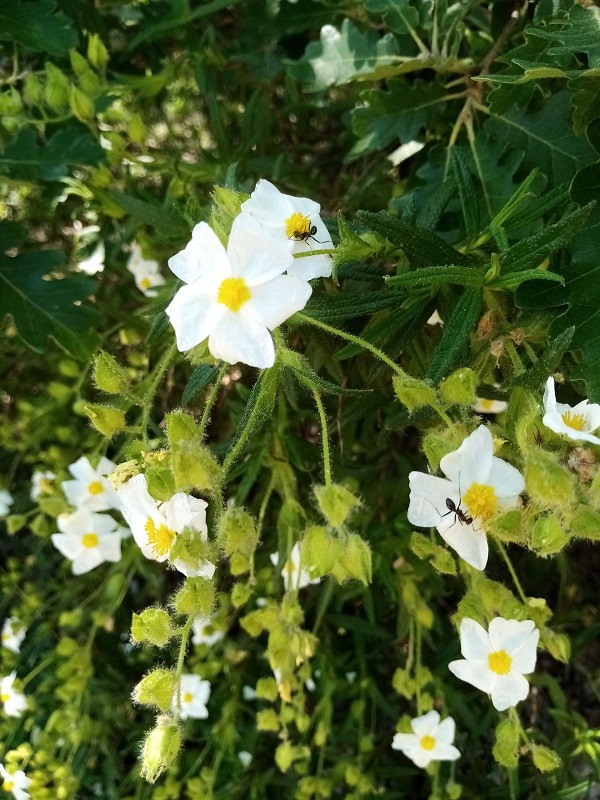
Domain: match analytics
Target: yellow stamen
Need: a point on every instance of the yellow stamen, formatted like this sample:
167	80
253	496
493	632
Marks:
4	698
234	293
499	662
428	742
161	539
481	500
89	540
575	421
297	226
145	283
7	786
187	697
486	404
95	487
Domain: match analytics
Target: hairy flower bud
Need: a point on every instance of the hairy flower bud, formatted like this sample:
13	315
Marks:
160	748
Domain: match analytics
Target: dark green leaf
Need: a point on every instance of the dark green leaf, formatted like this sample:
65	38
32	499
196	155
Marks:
351	304
466	190
437	276
455	338
537	375
150	213
26	159
515	279
199	379
34	25
581	34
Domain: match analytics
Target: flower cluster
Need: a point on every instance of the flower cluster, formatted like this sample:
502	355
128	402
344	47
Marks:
235	296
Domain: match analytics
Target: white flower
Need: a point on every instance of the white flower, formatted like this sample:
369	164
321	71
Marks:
193	696
6	501
205	632
155	526
293	576
485	406
87	539
431	740
244	756
496	660
146	272
577	422
12	635
435	319
95	262
14	702
41	483
235	297
296	219
15	782
91	488
479	486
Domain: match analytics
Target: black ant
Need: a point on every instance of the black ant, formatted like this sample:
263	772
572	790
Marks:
459	514
304	236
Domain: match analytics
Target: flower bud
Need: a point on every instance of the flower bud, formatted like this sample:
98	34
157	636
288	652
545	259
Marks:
585	524
152	625
320	551
459	387
96	52
237	532
266	689
355	559
56	93
106	419
193	465
196	598
547	481
506	749
241	594
109	376
81	105
336	503
33	90
547	536
156	689
137	130
284	756
544	758
160	749
412	392
267	720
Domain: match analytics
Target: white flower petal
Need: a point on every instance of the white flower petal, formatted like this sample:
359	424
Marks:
470	543
472	462
256	254
110	547
68	544
88	559
204	257
428	496
446	731
239	337
268	205
425	725
405	741
205	570
474	641
184	511
506	480
105	466
525	657
275	301
509	690
476	673
444	752
420	757
509	634
82	470
194	313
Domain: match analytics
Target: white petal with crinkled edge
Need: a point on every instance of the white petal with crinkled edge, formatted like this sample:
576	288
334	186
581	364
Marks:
446	731
256	254
184	511
205	570
428	495
268	205
88	559
194	313
444	751
474	640
470	544
509	634
472	462
82	470
68	544
505	479
476	673
239	337
203	258
274	302
425	725
553	416
138	508
509	690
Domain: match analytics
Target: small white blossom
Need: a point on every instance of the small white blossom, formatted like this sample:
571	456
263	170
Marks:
94	263
16	783
6	501
204	631
14	702
245	758
41	483
155	526
576	422
435	319
431	740
87	539
235	297
13	634
479	485
193	697
296	219
485	406
145	271
90	487
293	576
497	660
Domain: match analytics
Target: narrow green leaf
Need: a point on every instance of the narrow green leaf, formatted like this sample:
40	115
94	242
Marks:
455	339
35	26
466	191
26	159
537	375
514	279
351	304
437	276
149	213
199	379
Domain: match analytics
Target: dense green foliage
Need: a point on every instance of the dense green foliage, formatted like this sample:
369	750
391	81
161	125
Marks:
455	151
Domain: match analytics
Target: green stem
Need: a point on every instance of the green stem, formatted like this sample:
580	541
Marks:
511	569
181	658
324	437
309	253
210	400
241	442
159	372
350	337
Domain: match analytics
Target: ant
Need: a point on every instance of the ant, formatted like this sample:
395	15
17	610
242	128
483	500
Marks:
304	236
459	514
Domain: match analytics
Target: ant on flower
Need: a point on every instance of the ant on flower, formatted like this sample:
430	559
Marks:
304	236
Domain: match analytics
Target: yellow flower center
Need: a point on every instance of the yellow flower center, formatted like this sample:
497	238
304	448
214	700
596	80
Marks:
45	485
481	500
95	487
187	697
575	421
145	283
428	742
233	293
89	540
297	226
4	698
486	404
161	538
499	662
7	786
6	637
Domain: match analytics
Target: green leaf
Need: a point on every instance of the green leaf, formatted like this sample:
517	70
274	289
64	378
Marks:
544	758
26	159
341	55
35	26
455	338
581	34
46	308
199	379
351	304
546	364
421	247
466	190
438	276
150	213
306	376
506	748
515	279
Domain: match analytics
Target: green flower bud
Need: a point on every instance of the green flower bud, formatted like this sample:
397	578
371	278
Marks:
547	482
506	749
81	105
152	625
196	598
239	563
267	720
459	388
441	558
11	104
90	84
194	466
156	689
355	559
79	64
237	532
241	594
109	375
33	90
284	756
96	52
436	446
161	484
106	419
336	503
547	536
266	689
137	130
15	522
585	524
320	551
557	644
160	749
190	548
544	758
56	93
412	392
